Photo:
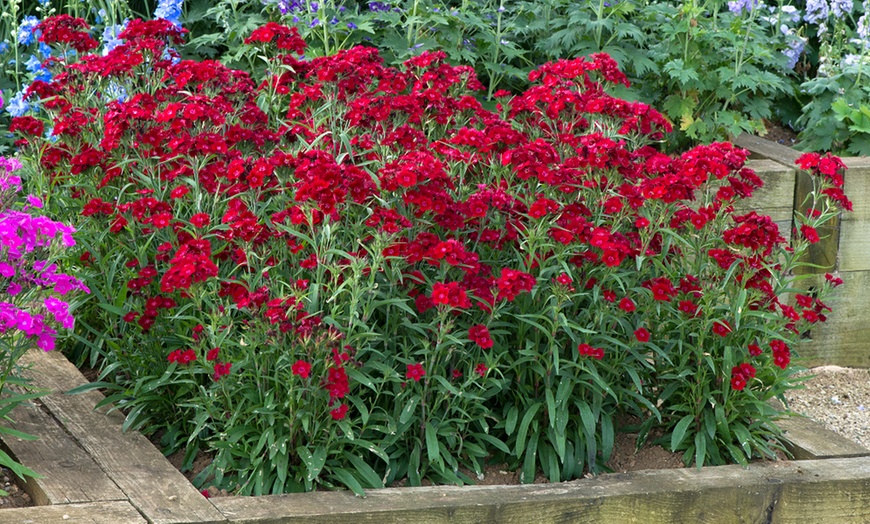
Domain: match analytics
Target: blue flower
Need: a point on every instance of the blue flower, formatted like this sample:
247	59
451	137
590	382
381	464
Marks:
34	64
314	23
43	74
44	50
817	11
169	10
351	26
841	8
25	30
375	7
110	37
17	106
4	46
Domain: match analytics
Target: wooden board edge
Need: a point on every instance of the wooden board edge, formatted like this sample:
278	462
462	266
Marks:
785	490
106	512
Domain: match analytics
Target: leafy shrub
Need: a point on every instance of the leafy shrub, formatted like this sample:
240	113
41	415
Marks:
342	259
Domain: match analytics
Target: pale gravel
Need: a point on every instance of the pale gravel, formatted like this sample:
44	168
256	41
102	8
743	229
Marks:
839	399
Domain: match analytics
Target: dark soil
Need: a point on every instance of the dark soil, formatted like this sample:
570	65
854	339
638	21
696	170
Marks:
780	134
17	498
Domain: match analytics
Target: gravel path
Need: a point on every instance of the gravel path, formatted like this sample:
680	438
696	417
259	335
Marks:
839	399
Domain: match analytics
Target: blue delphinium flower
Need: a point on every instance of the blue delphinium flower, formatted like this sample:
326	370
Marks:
169	10
794	50
4	46
841	8
17	105
817	11
25	30
33	64
116	92
378	6
44	50
738	6
110	37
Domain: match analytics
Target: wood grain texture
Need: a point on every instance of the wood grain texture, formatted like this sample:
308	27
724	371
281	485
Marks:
810	440
68	474
149	481
763	148
844	340
116	512
855	232
827	491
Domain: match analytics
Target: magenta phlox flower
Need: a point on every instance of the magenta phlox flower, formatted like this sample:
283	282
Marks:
34	201
60	310
6	270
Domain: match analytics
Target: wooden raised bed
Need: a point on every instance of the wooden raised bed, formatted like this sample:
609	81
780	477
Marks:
94	473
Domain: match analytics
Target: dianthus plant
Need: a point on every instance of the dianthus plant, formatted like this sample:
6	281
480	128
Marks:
346	274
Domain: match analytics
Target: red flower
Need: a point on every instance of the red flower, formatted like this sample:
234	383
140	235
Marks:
339	413
627	305
200	220
221	369
810	234
301	369
721	328
212	354
480	369
415	372
587	350
479	334
754	350
738	382
179	192
642	335
182	357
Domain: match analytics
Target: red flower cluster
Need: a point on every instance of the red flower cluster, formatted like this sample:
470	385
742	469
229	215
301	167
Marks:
64	29
479	334
781	353
587	350
513	282
741	375
180	356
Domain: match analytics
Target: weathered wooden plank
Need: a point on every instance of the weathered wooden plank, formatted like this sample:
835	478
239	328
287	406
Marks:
764	148
844	340
820	491
810	440
153	486
116	512
68	474
855	232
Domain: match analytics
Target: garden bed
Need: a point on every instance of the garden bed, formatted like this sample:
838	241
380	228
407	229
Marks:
95	473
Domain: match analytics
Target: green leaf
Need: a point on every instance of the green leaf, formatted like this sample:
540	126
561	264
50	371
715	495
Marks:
511	420
313	462
680	431
347	478
524	428
700	449
408	410
433	453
